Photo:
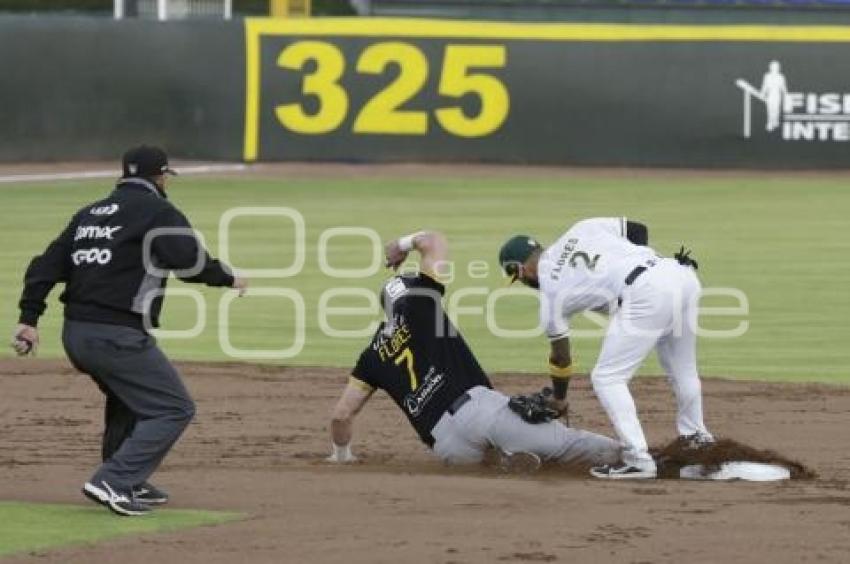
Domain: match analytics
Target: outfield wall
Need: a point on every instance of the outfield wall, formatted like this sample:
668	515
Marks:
428	90
86	88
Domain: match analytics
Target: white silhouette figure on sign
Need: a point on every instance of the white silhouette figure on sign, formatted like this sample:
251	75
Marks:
773	91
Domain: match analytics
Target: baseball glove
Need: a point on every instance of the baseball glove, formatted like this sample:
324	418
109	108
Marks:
534	408
684	258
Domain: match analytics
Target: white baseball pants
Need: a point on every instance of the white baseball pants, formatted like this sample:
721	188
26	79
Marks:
659	310
486	420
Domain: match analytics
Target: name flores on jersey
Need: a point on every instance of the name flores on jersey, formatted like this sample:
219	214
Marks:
388	346
568	250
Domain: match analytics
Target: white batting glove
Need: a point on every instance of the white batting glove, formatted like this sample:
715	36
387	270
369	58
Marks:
341	454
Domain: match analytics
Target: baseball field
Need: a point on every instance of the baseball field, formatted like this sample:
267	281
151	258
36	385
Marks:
248	479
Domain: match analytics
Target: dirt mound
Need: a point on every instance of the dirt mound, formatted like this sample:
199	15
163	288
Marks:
677	454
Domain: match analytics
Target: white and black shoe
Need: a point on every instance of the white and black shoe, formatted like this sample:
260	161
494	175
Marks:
623	471
149	494
697	441
119	502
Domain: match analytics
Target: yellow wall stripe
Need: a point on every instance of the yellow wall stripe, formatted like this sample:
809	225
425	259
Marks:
405	27
252	94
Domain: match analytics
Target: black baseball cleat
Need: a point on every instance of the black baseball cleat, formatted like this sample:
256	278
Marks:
149	494
119	502
623	471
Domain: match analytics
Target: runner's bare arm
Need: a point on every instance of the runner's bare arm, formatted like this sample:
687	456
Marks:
431	245
353	398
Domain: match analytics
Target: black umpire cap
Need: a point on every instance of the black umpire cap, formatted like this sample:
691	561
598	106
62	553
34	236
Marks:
145	161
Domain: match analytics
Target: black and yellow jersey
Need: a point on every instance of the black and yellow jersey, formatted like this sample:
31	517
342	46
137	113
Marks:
418	356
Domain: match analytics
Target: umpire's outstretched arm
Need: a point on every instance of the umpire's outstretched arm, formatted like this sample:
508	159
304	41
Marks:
182	252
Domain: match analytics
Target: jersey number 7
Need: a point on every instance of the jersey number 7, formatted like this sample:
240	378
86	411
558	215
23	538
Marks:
406	357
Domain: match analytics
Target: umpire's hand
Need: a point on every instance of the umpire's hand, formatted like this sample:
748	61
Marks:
25	340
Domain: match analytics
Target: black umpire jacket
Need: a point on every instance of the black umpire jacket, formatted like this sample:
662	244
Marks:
114	258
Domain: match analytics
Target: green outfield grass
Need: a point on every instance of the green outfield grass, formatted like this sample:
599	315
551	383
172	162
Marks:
34	527
783	242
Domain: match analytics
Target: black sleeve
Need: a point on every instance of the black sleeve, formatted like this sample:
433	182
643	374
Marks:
44	272
637	233
366	369
181	252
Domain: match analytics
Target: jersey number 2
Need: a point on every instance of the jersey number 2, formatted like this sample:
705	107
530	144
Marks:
589	263
406	357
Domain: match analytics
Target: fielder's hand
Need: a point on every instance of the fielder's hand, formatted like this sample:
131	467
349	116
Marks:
25	340
560	406
341	455
394	255
240	285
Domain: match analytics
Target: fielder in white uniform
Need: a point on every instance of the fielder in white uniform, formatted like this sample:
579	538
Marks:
604	265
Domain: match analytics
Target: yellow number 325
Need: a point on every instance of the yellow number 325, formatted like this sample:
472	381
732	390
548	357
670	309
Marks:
382	114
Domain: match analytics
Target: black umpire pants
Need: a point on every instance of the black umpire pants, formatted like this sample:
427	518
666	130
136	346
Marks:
147	405
118	423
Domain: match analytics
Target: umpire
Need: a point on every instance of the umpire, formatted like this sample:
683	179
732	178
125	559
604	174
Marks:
114	258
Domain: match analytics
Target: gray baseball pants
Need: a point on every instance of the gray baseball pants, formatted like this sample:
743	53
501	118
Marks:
486	420
127	364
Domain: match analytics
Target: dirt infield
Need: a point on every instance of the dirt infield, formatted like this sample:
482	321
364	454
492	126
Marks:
259	440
